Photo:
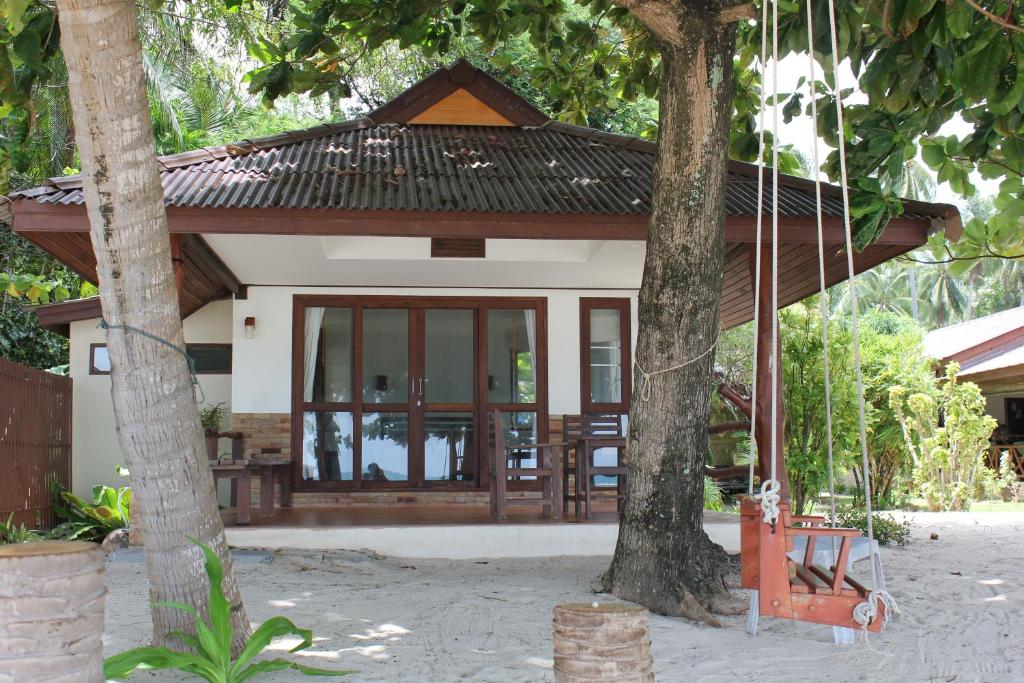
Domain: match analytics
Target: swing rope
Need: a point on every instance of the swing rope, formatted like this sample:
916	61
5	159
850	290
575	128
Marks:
757	259
866	612
822	293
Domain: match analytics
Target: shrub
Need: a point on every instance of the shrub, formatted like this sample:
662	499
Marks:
210	658
947	433
212	417
12	533
110	510
713	499
888	530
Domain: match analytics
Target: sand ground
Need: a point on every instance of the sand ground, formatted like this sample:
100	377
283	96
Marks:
961	596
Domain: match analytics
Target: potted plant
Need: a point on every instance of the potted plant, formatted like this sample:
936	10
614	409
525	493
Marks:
212	417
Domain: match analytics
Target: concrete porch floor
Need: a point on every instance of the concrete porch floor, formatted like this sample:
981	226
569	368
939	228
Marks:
449	531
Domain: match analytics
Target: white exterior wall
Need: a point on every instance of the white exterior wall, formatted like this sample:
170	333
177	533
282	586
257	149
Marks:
95	449
261	382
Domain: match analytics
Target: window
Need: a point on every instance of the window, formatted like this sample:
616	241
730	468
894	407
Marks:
605	357
208	359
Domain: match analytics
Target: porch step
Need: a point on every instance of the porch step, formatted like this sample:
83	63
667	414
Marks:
462	541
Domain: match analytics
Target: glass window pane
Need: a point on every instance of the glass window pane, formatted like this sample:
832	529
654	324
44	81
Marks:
328	355
520	428
605	355
326	446
449	356
511	355
100	359
449	447
385	355
385	444
210	359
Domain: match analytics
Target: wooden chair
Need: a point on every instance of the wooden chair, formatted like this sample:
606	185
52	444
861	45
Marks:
573	428
548	471
803	590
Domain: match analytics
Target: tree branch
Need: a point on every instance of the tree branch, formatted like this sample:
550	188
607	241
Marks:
994	17
659	16
736	13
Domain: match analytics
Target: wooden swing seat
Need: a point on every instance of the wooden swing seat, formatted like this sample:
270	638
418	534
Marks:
803	591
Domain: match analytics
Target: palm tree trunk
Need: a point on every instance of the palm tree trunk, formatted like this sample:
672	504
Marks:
912	280
663	559
157	419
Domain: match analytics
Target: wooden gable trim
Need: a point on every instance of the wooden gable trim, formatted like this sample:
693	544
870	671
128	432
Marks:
57	317
461	108
459	76
31	218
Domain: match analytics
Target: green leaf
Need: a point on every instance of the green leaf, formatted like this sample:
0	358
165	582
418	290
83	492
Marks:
274	627
220	610
270	665
154	658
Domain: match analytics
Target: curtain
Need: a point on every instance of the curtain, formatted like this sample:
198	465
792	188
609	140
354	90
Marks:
530	316
314	321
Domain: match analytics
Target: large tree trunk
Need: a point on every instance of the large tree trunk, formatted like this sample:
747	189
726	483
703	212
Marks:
663	558
157	419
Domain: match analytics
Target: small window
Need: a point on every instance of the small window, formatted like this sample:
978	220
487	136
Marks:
457	247
209	359
99	361
605	355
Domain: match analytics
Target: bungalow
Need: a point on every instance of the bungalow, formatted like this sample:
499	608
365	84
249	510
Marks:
361	294
990	351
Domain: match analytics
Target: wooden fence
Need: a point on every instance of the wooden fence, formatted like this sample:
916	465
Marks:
35	442
1014	451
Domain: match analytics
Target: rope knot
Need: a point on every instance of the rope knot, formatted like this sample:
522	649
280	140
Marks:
769	499
866	612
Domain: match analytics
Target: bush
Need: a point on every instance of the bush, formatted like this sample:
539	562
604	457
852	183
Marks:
713	499
110	510
888	530
947	433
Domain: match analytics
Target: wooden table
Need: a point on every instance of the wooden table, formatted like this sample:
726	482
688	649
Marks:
240	473
586	470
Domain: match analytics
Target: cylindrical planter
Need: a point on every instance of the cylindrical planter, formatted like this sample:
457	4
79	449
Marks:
602	642
51	612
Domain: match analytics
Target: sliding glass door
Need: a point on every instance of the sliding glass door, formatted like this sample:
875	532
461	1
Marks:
393	392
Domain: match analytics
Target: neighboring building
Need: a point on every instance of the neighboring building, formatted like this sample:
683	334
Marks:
361	294
990	351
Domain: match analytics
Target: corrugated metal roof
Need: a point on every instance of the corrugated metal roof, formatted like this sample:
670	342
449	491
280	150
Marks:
360	165
948	341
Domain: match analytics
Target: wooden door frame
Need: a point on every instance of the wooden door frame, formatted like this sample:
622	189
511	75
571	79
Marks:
623	305
481	305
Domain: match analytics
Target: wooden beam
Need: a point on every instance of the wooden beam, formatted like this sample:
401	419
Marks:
31	216
767	318
178	265
211	264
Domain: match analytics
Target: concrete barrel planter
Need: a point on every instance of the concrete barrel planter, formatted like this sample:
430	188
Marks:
51	612
602	642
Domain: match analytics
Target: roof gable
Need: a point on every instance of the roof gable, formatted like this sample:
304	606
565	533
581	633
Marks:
432	97
461	108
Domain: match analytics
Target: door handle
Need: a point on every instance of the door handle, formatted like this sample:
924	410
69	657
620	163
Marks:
421	386
412	386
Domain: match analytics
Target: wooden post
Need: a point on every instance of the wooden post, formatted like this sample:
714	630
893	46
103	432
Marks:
51	612
607	642
763	419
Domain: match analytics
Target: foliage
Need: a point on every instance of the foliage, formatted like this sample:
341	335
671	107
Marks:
713	496
212	416
110	510
12	533
947	433
887	529
803	370
21	338
892	353
210	658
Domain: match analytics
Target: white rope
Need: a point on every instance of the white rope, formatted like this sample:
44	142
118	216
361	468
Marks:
822	293
646	378
758	245
871	610
775	364
769	498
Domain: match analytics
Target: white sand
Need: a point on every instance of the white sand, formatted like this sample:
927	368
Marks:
433	620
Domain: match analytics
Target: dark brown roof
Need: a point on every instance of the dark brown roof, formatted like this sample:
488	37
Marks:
358	165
